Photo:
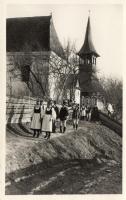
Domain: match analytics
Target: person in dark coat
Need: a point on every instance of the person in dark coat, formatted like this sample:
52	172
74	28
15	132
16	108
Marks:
94	114
36	119
48	117
42	110
75	116
63	115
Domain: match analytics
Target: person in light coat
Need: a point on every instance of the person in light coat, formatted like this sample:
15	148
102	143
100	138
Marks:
36	119
55	116
110	110
88	112
83	112
48	118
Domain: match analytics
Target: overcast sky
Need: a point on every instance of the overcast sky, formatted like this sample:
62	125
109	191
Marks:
70	22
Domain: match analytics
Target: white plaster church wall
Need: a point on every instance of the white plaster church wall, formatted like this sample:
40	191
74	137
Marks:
43	64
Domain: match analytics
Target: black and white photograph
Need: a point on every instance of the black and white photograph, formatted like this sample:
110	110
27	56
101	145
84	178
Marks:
64	99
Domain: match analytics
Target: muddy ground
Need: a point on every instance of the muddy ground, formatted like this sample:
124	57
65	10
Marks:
87	161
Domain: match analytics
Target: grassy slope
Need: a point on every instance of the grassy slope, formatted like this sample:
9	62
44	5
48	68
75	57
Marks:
91	142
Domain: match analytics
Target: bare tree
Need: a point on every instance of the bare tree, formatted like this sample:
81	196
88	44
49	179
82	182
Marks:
112	90
64	68
32	69
37	69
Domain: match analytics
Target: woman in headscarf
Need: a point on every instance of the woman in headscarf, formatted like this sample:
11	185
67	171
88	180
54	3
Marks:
36	119
48	119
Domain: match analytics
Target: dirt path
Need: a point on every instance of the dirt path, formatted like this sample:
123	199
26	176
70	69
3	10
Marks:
100	173
70	178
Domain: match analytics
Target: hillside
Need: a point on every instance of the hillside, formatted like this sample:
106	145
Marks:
74	162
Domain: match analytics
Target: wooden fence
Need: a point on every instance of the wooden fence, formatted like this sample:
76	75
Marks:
111	123
19	110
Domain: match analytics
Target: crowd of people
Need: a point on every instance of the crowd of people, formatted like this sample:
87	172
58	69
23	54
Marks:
44	118
89	113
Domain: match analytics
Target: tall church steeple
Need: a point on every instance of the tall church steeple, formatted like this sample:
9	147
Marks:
87	62
88	47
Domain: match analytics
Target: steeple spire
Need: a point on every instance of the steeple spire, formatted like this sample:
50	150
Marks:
88	47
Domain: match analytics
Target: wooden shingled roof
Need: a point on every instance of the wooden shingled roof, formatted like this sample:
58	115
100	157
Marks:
37	32
88	47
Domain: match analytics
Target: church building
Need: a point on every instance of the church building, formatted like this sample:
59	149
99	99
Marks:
33	53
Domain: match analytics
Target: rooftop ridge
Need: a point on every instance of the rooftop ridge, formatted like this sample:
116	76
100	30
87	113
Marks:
45	16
